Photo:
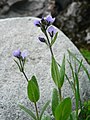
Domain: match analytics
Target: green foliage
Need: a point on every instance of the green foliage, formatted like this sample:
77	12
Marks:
33	90
86	54
55	100
29	112
55	71
62	72
85	112
44	108
58	75
63	110
72	116
54	39
84	68
46	118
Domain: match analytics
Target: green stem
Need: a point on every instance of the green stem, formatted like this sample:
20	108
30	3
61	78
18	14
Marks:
22	69
25	75
21	66
88	117
52	56
60	94
36	111
49	43
76	100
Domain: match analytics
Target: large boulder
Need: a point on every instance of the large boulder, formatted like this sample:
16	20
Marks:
21	33
11	2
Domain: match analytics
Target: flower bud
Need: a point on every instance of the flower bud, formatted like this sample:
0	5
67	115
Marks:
37	23
24	54
17	53
52	31
42	39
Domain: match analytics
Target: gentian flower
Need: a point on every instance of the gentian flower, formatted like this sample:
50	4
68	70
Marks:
52	31
17	53
49	19
24	54
37	23
42	39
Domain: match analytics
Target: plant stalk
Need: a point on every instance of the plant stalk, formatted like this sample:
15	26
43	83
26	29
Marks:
22	70
36	111
60	94
25	75
49	43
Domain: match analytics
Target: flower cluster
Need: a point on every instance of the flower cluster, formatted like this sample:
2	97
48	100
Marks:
46	27
21	57
44	21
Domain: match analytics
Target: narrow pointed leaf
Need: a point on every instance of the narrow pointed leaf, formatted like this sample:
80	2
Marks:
84	68
28	111
44	108
62	73
80	65
55	71
72	70
55	100
54	39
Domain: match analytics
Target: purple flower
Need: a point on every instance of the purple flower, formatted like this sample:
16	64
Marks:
17	53
24	54
42	39
49	19
52	31
37	23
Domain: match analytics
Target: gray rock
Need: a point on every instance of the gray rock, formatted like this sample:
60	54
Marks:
21	33
63	3
11	2
5	9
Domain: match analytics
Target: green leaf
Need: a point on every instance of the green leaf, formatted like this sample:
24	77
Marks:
44	108
46	118
78	99
63	110
33	90
28	111
55	71
86	54
58	75
72	116
84	68
55	100
54	39
35	81
80	65
62	73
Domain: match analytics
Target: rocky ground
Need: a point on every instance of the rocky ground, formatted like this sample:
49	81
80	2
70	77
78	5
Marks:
72	16
15	8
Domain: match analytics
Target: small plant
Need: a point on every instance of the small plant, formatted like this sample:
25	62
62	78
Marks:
61	107
86	54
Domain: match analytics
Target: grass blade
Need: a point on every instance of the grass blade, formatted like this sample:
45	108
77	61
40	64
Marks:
84	68
44	108
28	111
